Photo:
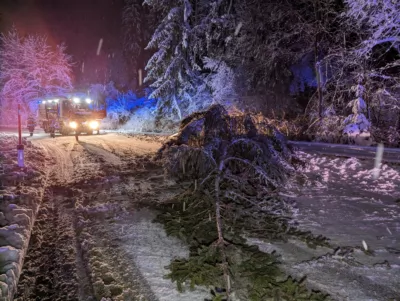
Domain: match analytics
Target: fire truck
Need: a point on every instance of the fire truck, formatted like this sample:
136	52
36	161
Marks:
67	115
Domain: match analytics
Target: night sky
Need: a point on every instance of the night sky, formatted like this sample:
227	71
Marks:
80	24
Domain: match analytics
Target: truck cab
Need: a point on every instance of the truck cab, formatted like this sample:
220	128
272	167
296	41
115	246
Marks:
67	115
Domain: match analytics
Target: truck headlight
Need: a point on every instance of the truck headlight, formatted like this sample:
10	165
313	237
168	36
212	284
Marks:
94	124
73	125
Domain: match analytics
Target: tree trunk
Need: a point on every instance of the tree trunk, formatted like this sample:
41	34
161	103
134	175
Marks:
317	58
218	209
221	241
318	73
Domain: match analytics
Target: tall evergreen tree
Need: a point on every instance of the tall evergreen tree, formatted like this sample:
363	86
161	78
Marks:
138	23
188	32
257	40
171	69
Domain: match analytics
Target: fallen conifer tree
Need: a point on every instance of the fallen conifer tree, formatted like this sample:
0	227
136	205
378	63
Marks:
236	167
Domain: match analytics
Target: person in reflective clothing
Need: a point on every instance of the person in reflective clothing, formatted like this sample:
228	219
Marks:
31	123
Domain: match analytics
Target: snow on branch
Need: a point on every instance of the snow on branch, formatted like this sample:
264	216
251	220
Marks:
379	20
31	69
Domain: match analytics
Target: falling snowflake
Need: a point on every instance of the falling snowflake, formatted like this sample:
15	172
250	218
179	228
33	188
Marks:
378	160
238	27
99	47
365	245
140	77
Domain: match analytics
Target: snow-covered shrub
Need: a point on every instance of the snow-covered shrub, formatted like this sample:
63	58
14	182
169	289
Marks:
119	108
126	110
329	129
142	120
384	106
293	128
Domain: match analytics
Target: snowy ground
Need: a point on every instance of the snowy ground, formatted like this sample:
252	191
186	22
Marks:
110	242
342	201
90	216
21	192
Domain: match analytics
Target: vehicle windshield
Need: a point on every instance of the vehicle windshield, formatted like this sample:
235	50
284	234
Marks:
83	106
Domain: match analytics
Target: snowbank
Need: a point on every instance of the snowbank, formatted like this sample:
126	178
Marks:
18	208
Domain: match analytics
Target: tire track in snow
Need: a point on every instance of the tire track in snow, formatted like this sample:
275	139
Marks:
102	153
63	168
50	267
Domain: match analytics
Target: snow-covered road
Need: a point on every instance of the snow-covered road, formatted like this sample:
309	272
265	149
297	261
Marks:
349	151
92	205
339	150
100	184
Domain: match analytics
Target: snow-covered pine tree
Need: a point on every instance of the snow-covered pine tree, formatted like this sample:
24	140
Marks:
189	31
216	32
172	70
138	23
236	166
132	26
357	124
275	35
